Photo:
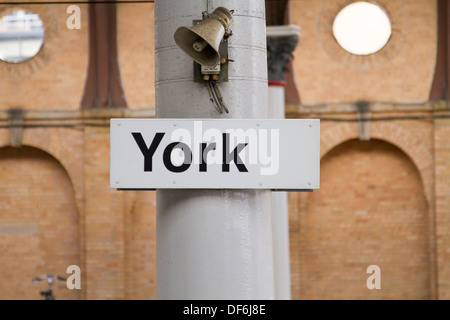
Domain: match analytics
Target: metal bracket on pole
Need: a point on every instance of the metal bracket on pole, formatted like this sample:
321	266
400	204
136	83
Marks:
210	76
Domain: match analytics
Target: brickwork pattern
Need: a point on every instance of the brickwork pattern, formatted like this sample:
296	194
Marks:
325	73
381	201
136	53
36	189
442	170
104	221
58	70
141	245
370	210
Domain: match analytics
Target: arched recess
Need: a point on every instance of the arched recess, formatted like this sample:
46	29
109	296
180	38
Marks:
39	223
416	149
66	146
370	210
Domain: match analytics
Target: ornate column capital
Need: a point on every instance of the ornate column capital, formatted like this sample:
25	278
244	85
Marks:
281	42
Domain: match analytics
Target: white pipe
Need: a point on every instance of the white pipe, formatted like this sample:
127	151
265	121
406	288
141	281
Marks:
280	213
214	244
276	102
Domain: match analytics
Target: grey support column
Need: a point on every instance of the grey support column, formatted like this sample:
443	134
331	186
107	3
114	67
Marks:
281	42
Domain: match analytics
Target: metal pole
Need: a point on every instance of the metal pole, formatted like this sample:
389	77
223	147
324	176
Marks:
213	244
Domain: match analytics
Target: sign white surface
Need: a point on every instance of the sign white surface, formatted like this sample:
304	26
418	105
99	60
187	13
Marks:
215	154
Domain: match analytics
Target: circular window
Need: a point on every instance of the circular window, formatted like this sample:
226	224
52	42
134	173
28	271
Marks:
362	28
21	36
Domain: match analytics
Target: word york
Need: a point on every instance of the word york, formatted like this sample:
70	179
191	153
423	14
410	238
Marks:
213	146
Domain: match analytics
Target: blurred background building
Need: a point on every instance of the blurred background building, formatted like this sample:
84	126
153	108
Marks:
385	147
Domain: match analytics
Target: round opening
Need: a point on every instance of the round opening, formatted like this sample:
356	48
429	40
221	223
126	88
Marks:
21	36
362	28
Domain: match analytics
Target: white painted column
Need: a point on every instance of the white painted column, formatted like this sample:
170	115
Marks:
276	100
280	210
213	244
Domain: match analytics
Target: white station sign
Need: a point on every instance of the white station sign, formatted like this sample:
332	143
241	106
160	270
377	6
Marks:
215	154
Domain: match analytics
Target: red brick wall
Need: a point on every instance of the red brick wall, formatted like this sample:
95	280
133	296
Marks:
401	72
370	210
54	79
136	48
442	171
141	245
104	221
395	203
37	203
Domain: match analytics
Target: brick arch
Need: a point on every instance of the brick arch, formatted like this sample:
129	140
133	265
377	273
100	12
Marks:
370	221
414	147
43	209
65	145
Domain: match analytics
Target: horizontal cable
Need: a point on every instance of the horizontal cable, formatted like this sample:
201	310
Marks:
331	119
72	2
392	118
53	125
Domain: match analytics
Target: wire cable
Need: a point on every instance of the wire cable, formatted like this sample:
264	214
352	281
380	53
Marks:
27	3
387	118
54	125
82	124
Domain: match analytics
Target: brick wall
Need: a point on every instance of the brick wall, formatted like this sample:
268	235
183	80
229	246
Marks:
382	202
104	221
141	245
39	231
136	53
325	73
54	79
370	210
442	171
